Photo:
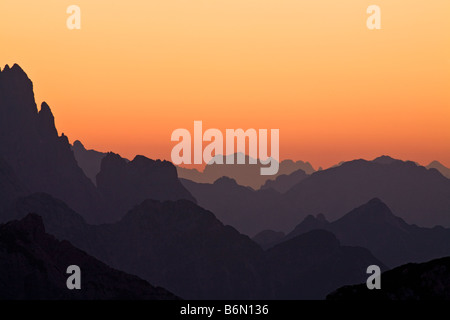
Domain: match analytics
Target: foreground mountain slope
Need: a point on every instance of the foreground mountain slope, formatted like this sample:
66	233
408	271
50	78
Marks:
33	265
424	281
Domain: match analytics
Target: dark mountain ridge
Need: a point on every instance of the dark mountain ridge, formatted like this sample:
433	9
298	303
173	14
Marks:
33	266
423	281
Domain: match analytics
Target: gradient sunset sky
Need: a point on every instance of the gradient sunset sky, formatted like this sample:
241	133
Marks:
137	70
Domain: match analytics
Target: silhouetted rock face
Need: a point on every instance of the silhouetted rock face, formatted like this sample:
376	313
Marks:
46	123
390	238
30	144
125	184
424	281
310	265
414	193
17	101
33	265
88	160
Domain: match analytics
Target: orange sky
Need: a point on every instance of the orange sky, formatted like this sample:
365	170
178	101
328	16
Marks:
139	69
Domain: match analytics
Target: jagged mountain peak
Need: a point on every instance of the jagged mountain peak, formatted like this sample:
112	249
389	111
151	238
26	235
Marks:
46	121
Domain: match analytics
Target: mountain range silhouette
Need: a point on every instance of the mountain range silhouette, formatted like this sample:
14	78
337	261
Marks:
418	195
248	175
313	231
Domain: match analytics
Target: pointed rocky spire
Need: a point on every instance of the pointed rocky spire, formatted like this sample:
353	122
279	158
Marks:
47	121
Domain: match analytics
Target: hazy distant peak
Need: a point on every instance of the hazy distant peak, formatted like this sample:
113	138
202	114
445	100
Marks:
304	165
439	167
233	158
